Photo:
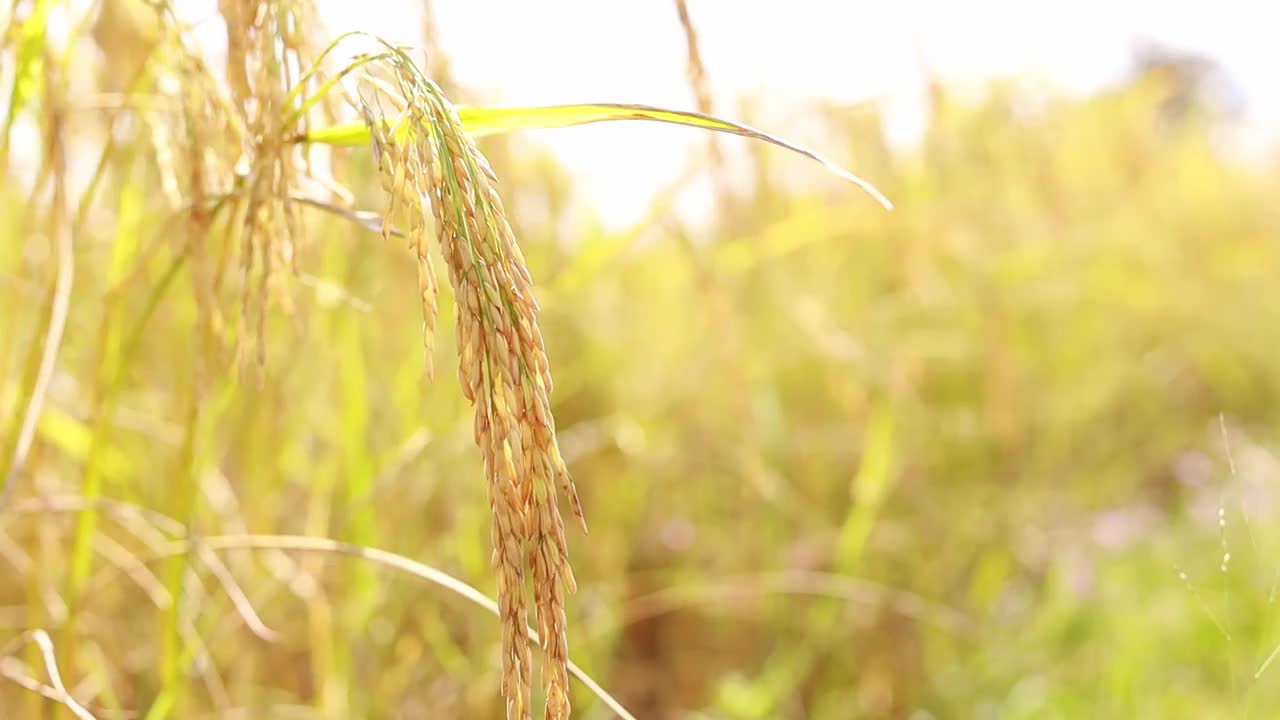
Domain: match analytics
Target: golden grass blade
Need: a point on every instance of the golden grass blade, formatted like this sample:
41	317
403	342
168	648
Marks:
59	690
239	599
141	575
15	671
370	221
129	515
61	306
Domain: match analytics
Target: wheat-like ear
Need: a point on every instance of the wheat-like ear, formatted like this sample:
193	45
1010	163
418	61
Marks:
429	164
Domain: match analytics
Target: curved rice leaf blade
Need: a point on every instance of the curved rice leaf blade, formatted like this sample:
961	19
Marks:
482	121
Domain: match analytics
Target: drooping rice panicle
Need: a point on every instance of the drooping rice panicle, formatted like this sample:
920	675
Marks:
502	367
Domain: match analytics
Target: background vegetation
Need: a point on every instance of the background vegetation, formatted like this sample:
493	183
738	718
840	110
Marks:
1004	452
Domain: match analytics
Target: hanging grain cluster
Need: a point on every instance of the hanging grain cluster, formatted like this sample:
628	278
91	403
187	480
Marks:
430	165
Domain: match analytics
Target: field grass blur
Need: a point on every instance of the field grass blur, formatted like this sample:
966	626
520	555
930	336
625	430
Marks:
1007	451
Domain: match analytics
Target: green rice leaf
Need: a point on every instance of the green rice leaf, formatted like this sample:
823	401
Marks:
350	134
482	121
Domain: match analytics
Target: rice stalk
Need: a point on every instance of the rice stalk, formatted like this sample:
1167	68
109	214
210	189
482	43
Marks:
61	291
700	87
503	368
264	50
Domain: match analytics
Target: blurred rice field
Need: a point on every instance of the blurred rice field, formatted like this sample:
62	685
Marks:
1007	451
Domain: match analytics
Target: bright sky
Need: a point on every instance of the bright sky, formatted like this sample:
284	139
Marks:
558	51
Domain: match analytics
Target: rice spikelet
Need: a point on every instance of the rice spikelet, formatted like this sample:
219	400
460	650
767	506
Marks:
502	367
265	46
